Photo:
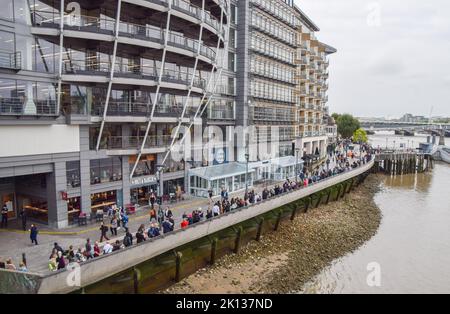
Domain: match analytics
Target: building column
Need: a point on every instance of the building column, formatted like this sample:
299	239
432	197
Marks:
57	207
126	184
85	170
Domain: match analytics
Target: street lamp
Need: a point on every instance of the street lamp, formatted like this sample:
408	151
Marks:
159	173
247	157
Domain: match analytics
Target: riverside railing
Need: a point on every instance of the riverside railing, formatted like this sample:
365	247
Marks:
311	187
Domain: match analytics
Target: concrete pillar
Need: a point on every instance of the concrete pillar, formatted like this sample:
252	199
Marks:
126	184
85	173
57	207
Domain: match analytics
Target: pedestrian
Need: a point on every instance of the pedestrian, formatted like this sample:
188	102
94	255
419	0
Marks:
128	239
184	223
167	226
160	215
125	221
5	216
152	199
216	210
114	226
140	237
103	231
153	214
96	249
107	248
210	193
57	248
116	246
168	213
88	250
2	264
9	265
52	265
23	267
33	234
61	261
23	216
71	254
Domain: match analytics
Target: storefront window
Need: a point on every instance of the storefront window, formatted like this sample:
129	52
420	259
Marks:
73	174
73	208
106	170
101	201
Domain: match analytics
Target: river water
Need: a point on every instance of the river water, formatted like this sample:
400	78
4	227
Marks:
411	251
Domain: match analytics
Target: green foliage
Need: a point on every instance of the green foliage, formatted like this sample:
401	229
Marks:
360	135
347	125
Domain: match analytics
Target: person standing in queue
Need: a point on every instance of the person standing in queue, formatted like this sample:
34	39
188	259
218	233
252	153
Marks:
4	216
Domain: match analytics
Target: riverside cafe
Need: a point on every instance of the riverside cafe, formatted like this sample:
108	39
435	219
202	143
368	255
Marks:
230	176
278	169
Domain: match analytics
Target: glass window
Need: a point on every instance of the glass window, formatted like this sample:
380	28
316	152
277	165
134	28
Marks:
73	173
6	11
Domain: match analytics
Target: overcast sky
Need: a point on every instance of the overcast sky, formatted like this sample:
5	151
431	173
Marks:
393	55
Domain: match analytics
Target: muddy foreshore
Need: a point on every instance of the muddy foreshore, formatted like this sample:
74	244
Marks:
283	261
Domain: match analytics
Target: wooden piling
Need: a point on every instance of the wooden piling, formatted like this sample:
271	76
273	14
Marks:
213	251
259	232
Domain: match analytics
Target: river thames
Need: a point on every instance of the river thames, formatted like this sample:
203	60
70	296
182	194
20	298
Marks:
412	245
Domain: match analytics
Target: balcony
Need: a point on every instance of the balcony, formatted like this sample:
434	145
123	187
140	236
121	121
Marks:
217	114
99	68
135	142
11	60
106	26
141	109
19	107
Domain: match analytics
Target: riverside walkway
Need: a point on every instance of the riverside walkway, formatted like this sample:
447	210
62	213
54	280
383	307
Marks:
107	265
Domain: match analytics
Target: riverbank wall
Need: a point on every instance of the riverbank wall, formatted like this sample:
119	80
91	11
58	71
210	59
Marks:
157	264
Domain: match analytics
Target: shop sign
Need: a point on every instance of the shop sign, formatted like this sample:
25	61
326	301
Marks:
144	181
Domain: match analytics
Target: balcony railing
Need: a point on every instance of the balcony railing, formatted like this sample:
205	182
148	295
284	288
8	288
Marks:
135	142
11	60
217	114
141	109
106	25
19	107
93	67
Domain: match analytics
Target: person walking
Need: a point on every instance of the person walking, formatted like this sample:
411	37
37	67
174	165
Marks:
33	234
23	216
152	199
114	226
4	216
125	221
103	231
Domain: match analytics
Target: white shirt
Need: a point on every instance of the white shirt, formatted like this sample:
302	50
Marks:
216	209
107	248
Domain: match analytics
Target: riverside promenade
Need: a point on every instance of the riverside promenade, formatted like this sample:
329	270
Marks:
110	264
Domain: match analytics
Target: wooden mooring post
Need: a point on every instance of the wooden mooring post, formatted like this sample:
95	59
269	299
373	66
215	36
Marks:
395	163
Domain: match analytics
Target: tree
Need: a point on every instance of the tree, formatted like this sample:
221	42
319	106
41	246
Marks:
347	125
360	135
335	116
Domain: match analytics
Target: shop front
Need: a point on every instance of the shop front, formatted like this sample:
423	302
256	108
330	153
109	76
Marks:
141	188
278	169
230	177
103	200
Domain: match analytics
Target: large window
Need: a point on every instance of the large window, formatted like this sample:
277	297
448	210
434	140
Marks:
106	170
6	11
73	173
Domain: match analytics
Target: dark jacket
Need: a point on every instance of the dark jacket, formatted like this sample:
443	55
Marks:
33	233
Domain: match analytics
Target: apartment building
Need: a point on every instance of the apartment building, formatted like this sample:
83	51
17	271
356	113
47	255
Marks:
312	59
91	92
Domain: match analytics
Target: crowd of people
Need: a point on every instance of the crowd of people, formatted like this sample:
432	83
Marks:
162	221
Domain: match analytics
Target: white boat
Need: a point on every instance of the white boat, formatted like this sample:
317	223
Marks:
442	153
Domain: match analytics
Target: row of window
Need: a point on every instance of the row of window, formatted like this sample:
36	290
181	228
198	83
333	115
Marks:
271	91
271	48
272	70
273	27
279	10
273	114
